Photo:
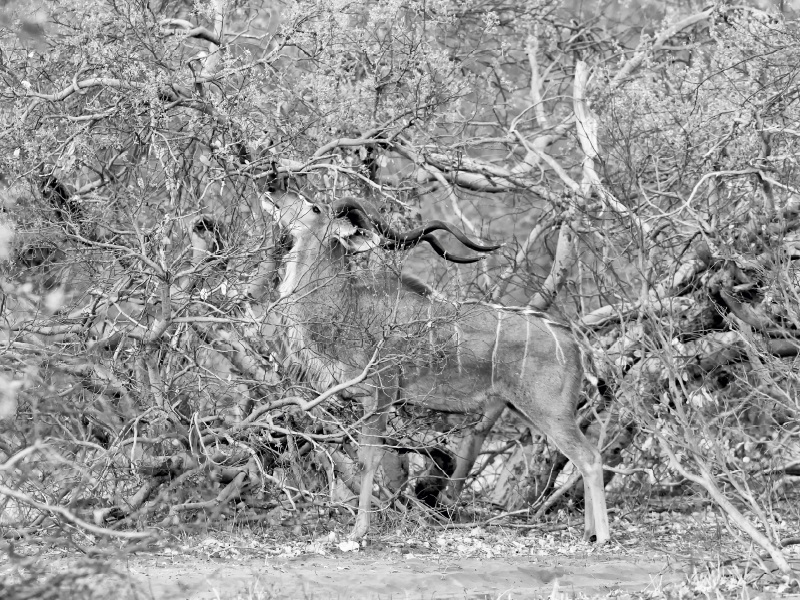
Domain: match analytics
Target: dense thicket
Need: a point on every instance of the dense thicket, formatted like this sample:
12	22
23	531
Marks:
639	165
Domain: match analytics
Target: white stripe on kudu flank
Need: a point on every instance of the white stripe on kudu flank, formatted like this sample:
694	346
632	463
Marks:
527	341
459	337
496	343
559	351
431	341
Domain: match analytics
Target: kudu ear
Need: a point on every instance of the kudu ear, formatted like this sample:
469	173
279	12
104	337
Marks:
353	239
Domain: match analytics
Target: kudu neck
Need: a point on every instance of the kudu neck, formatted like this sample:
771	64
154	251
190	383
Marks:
310	270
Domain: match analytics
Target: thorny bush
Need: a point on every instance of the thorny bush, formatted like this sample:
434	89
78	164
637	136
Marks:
642	178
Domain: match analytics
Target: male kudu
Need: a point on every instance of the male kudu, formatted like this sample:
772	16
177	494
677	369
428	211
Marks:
349	322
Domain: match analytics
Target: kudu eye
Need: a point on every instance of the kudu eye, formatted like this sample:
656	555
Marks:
315	208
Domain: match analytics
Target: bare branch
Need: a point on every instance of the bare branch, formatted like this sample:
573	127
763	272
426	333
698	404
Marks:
474	175
308	405
214	48
188	29
643	51
559	271
69	516
707	482
586	127
536	82
502	281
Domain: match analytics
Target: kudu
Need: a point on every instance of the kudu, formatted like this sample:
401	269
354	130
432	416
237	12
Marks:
469	358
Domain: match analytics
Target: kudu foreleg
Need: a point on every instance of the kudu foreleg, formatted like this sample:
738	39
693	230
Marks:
470	448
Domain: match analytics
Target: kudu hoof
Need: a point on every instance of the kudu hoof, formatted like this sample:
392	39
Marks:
593	539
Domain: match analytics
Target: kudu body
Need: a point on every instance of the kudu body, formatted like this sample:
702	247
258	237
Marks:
469	358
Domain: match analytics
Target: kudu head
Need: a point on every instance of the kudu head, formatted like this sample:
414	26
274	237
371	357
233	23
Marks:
323	229
356	227
324	234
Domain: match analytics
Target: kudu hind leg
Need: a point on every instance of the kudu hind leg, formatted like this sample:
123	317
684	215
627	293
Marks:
550	409
469	449
574	445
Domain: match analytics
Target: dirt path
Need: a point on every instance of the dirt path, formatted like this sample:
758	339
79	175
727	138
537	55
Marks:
653	552
354	576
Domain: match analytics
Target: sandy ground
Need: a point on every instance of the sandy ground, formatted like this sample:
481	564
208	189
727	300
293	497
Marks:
649	552
412	577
